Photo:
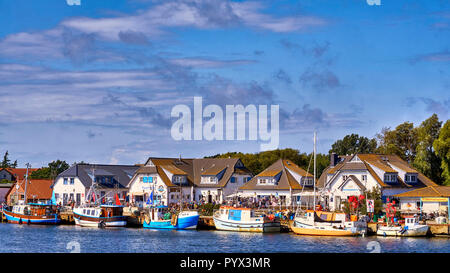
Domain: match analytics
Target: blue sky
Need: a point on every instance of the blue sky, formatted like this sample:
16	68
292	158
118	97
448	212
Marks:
97	82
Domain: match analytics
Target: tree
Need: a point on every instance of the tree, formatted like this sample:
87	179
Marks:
6	161
442	149
426	160
352	144
52	171
402	141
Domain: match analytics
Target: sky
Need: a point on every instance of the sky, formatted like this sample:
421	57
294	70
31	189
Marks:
97	82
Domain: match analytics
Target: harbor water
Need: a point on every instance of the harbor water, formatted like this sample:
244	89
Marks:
60	239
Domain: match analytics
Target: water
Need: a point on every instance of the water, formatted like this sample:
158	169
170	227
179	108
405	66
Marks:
23	238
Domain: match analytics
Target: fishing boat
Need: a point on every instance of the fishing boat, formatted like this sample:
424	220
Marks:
32	213
160	218
311	223
412	228
244	219
314	222
96	214
108	215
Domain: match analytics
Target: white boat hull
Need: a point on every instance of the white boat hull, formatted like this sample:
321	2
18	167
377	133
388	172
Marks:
247	226
85	223
416	231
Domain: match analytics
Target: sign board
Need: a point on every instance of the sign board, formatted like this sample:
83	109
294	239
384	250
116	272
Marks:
370	205
434	199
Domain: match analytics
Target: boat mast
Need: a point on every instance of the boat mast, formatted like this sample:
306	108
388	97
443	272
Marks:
314	179
26	184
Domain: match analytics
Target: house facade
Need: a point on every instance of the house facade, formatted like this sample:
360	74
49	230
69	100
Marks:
354	175
433	199
174	180
73	184
284	180
37	191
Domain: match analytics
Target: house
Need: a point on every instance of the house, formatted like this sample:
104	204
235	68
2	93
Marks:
432	199
37	190
355	174
74	183
284	180
4	189
172	180
13	174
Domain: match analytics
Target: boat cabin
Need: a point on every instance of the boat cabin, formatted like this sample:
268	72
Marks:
33	209
104	211
160	213
238	214
411	221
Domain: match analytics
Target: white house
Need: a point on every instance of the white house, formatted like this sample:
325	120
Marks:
284	180
354	175
74	183
172	180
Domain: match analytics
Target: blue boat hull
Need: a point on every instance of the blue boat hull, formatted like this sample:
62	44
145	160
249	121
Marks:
25	219
183	223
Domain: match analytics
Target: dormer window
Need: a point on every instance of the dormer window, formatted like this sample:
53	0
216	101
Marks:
410	178
390	178
307	181
179	179
209	179
266	181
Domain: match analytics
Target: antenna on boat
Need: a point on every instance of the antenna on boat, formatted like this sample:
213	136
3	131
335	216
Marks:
314	179
26	184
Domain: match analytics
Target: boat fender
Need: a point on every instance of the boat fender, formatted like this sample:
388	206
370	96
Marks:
20	221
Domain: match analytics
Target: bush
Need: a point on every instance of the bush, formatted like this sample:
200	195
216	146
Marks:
207	209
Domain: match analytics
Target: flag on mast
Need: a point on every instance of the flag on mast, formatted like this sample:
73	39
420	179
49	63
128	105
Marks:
117	200
150	199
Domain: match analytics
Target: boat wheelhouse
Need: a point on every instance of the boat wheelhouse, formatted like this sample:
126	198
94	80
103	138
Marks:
100	216
32	213
244	219
161	218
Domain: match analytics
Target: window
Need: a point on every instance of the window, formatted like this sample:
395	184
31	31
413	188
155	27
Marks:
65	180
72	181
364	177
390	177
262	181
56	196
344	177
410	178
233	179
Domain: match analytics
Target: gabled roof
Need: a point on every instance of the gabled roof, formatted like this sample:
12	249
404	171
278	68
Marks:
431	191
285	182
377	161
36	188
194	168
121	173
354	179
19	172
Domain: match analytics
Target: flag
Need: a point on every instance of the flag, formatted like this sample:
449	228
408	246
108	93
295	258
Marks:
150	199
53	200
93	196
117	200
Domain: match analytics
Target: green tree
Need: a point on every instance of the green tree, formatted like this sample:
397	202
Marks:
6	161
352	144
426	160
52	171
402	141
442	149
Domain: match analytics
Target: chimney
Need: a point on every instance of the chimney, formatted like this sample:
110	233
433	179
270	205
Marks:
334	159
